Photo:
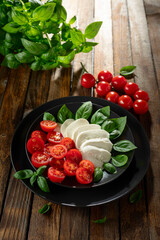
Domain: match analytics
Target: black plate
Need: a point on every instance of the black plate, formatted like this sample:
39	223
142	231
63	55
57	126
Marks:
72	182
90	196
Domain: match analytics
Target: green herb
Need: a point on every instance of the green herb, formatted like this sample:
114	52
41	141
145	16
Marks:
42	183
48	116
109	168
102	220
41	170
23	174
92	30
45	208
64	113
127	70
135	197
124	146
100	115
84	111
98	174
33	179
119	160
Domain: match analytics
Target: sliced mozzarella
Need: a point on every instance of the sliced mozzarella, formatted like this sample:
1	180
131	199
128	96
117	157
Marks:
74	125
84	128
90	134
96	155
65	125
58	127
104	143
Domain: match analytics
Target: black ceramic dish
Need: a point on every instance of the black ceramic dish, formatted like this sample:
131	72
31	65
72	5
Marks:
103	193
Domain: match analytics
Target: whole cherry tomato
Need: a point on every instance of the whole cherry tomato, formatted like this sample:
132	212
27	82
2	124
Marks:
103	88
125	101
130	88
119	82
105	76
112	97
140	106
88	80
140	94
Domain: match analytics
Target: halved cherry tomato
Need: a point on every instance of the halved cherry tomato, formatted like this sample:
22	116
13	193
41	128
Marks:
56	175
125	101
54	137
118	82
39	159
130	88
88	165
70	167
140	106
39	134
105	76
140	94
48	125
35	144
68	143
112	97
84	176
58	151
58	163
47	146
74	155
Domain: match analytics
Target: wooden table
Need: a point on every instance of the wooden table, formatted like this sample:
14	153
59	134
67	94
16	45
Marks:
130	34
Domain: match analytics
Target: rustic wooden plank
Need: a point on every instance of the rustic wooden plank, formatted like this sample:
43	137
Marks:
4	74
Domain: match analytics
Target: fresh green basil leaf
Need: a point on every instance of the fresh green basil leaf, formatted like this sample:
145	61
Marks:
10	61
77	37
33	33
41	170
23	174
64	113
48	116
127	70
84	111
59	14
24	57
114	134
19	17
36	66
42	183
3	15
135	197
66	59
90	44
44	12
72	20
49	66
124	146
2	35
101	220
35	48
8	45
92	29
62	12
48	55
45	209
3	49
100	115
119	160
35	3
33	179
86	49
109	168
98	174
11	27
109	125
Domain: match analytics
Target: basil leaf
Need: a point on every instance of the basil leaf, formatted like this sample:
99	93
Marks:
35	48
35	3
44	12
109	125
135	197
86	49
35	66
33	179
59	14
102	220
10	61
45	209
124	146
11	27
66	59
42	183
115	134
109	168
4	50
90	44
127	70
64	113
84	111
48	55
48	116
98	174
23	174
19	17
100	115
119	160
92	29
41	170
77	37
49	66
72	20
24	57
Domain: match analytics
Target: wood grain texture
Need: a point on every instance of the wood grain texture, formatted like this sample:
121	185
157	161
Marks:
4	74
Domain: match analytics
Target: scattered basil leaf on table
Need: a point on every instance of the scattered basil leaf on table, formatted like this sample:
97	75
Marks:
102	220
98	174
109	168
84	111
127	70
23	174
42	183
45	208
100	115
119	160
64	113
124	146
48	116
135	197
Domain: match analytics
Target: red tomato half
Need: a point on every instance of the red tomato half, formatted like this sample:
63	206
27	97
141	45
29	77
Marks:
48	125
125	101
140	106
74	155
119	82
56	175
47	146
58	151
39	159
58	163
130	88
84	176
105	76
88	80
112	97
88	165
39	134
140	94
35	144
103	88
70	167
68	143
54	137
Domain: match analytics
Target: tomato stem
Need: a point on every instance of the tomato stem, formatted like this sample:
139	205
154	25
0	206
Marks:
83	68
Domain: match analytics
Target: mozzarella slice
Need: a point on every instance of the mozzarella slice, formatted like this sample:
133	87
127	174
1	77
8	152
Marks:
104	143
96	155
84	128
65	125
74	125
90	134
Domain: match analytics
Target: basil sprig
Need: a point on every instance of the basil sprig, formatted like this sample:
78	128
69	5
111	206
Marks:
23	174
46	207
